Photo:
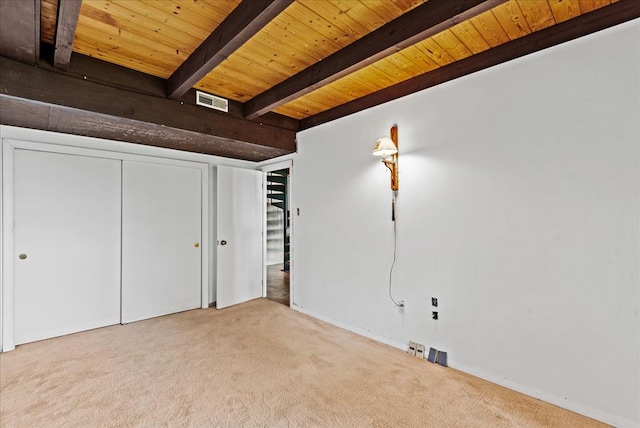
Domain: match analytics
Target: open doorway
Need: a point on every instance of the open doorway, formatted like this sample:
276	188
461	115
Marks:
278	237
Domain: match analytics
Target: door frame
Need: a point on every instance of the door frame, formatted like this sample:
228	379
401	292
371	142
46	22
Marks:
285	164
7	259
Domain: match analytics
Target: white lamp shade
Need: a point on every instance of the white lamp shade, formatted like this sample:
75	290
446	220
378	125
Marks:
385	147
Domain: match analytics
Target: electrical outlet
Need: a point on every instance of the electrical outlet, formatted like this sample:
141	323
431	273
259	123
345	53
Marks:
420	350
412	348
401	307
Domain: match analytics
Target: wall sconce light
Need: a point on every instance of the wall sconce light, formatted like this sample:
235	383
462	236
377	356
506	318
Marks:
388	149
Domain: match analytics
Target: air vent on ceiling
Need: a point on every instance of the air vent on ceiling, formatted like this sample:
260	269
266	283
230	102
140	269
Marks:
211	101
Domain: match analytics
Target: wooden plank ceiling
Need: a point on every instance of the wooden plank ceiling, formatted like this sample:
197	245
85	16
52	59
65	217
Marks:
311	61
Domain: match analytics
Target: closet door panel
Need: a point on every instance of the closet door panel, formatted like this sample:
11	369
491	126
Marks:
161	233
67	244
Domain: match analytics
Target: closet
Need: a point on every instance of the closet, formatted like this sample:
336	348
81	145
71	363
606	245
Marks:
101	241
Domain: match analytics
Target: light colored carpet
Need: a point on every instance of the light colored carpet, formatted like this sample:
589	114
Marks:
255	364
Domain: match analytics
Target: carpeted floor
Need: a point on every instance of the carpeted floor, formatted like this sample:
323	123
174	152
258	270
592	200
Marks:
255	364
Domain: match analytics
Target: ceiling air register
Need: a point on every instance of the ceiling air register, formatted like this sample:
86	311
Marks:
211	101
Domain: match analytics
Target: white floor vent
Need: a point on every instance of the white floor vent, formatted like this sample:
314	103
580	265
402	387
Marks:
211	101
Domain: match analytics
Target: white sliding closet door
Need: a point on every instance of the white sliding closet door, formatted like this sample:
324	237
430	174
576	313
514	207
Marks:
161	232
67	244
240	221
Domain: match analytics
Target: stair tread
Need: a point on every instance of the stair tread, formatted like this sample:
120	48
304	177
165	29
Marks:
276	179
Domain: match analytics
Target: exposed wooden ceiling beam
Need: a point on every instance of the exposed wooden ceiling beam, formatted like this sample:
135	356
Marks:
134	109
414	26
50	117
243	23
20	30
68	13
605	17
116	76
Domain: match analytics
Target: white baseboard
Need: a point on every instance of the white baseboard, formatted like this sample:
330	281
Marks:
573	406
360	331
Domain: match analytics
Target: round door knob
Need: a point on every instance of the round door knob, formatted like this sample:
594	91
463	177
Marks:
22	256
196	245
223	242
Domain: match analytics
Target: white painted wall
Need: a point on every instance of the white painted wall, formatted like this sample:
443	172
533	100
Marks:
518	208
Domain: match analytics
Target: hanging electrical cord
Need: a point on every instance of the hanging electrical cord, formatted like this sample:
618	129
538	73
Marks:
395	247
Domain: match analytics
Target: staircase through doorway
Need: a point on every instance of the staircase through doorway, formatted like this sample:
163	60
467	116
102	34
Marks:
278	243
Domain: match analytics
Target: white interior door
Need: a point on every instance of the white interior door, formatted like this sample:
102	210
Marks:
161	240
67	244
239	249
